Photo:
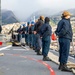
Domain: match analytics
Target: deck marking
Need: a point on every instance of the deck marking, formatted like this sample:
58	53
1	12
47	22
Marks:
5	47
52	72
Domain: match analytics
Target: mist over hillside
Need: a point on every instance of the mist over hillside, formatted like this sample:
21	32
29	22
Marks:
8	17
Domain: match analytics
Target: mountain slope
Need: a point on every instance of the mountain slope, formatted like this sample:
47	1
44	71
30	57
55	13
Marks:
56	17
44	12
8	17
49	13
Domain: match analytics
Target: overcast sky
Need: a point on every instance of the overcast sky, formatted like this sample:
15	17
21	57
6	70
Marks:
24	8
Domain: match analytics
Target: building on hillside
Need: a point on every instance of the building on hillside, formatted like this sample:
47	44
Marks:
73	20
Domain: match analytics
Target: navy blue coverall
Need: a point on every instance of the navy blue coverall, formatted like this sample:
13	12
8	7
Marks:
38	39
46	32
64	33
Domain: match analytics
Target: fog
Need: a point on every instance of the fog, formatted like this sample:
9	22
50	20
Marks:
24	8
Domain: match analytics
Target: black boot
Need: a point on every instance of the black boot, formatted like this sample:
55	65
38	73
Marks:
60	66
27	44
65	68
45	58
33	48
39	52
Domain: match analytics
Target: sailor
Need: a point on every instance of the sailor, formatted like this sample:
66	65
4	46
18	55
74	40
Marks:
37	33
27	34
45	33
64	33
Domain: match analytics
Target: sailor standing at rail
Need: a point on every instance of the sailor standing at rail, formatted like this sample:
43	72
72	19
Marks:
32	34
19	34
37	33
27	34
65	34
45	33
23	32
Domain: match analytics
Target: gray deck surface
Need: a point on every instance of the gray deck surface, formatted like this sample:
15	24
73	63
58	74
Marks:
15	63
